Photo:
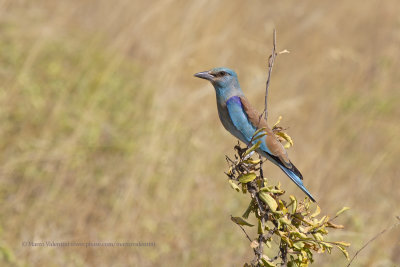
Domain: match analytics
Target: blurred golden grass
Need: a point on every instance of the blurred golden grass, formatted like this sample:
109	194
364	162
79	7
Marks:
106	136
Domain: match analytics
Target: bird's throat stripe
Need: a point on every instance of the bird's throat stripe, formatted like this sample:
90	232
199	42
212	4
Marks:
234	99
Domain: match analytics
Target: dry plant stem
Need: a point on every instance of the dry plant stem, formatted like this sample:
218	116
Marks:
259	251
263	213
296	246
297	229
375	237
271	61
283	251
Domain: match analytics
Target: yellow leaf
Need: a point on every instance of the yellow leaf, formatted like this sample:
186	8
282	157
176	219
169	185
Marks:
284	220
234	185
267	262
342	210
241	221
287	240
277	191
317	211
248	210
245	178
318	236
282	207
346	254
326	244
276	123
252	148
341	243
258	136
269	200
259	130
286	137
294	205
323	220
336	226
252	161
260	230
299	245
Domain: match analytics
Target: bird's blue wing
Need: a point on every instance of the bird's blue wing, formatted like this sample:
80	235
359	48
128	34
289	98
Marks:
239	118
242	124
241	121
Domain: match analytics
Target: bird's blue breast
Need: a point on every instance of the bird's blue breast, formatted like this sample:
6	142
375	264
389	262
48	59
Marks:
241	124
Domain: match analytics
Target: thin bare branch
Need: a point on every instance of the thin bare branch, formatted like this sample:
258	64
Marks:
271	61
372	239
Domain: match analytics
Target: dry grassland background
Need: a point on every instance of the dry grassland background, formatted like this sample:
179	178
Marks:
105	135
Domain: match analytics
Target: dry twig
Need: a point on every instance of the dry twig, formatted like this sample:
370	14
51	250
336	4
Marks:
271	61
372	239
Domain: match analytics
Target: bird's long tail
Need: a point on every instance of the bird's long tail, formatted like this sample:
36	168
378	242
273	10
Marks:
297	180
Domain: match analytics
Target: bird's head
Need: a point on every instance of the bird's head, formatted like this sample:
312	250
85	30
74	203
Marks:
221	78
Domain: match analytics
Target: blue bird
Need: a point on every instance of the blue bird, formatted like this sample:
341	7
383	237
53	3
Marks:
242	121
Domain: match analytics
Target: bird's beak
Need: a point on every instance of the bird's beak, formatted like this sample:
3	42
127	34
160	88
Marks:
204	75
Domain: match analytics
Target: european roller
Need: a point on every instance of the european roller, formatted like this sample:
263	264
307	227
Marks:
242	121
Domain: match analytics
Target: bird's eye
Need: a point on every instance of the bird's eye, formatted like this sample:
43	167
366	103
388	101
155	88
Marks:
221	73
